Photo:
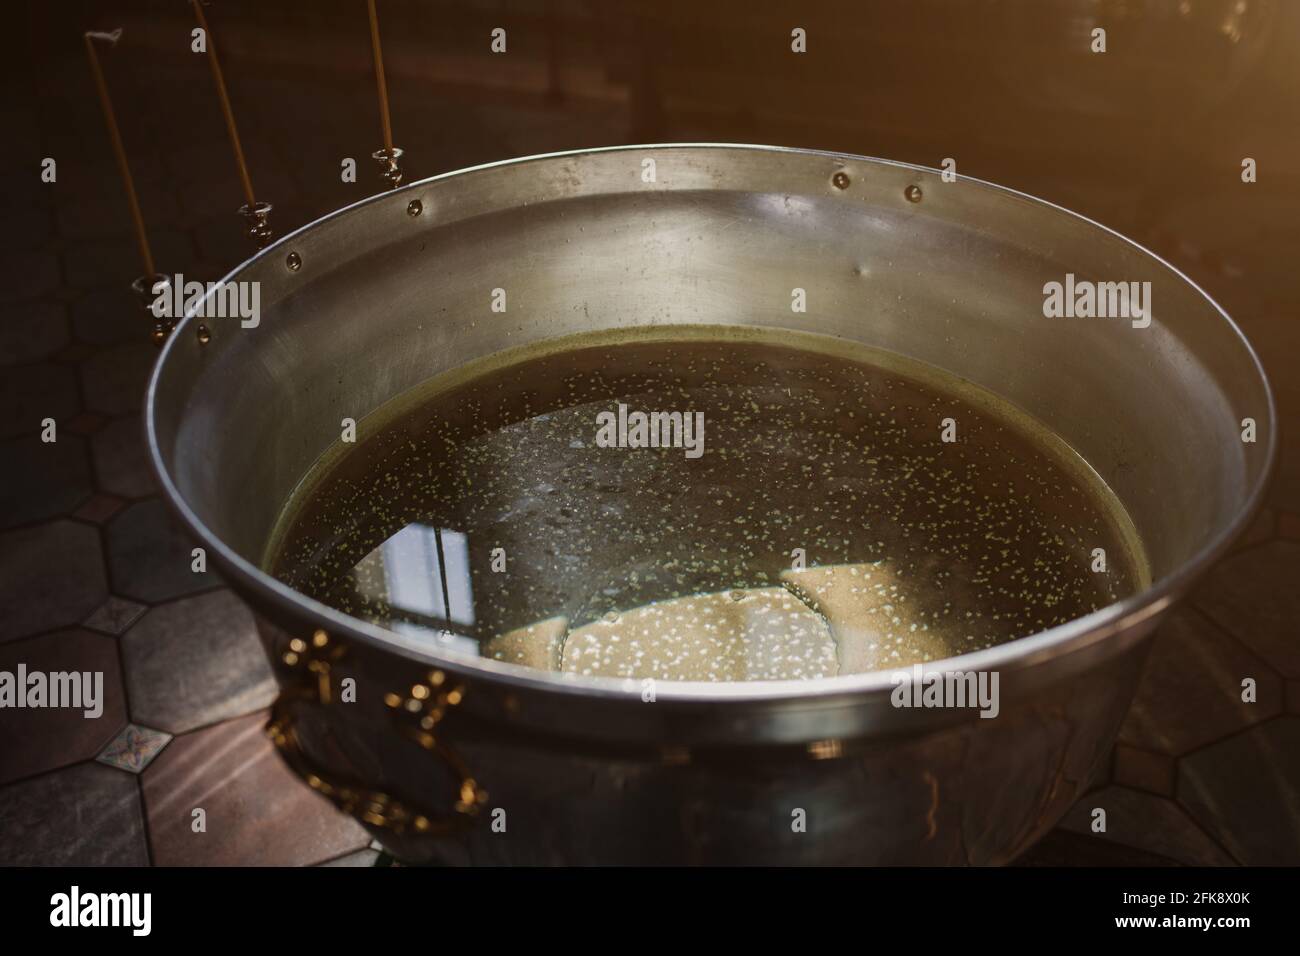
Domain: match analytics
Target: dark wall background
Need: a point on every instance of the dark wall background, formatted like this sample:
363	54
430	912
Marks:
1148	137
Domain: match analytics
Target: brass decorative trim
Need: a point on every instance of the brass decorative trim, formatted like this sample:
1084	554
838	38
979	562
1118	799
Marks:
416	714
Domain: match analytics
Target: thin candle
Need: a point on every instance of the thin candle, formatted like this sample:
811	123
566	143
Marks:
115	136
225	105
379	76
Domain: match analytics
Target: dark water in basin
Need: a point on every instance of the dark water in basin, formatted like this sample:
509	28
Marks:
821	526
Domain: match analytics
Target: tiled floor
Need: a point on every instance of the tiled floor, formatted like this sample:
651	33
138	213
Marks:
94	571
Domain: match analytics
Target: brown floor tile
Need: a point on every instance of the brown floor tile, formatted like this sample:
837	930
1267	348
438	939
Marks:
1143	770
1261	529
1148	823
31	393
87	815
1190	693
150	556
258	813
121	463
99	508
1246	791
43	480
51	576
195	662
1254	596
34	740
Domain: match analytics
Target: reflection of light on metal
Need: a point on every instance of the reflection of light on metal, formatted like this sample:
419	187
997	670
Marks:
784	204
825	749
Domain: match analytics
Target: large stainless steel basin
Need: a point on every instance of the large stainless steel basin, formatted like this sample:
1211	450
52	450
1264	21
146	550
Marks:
947	273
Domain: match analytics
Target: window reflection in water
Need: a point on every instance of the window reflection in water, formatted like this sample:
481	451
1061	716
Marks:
421	574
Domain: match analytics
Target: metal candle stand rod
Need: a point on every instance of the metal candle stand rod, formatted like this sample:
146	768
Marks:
387	157
256	213
144	285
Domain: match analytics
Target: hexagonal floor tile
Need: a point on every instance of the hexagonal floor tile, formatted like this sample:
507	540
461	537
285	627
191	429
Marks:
1146	822
1190	693
195	662
44	478
121	463
32	331
1253	595
257	812
1246	791
87	815
31	393
51	576
115	378
36	739
150	557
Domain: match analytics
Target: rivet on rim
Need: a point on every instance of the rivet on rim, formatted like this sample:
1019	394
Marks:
204	334
840	180
414	208
293	261
913	193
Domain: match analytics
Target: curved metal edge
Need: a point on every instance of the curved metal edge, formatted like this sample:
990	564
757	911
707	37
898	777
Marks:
1023	652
